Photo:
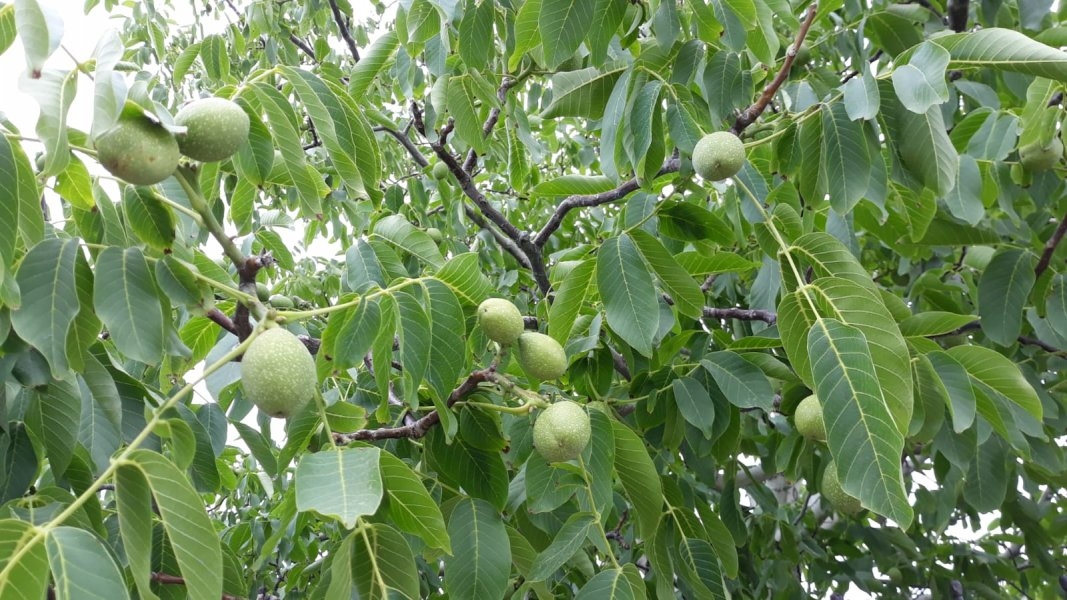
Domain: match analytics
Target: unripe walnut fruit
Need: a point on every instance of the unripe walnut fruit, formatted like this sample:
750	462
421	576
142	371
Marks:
440	171
278	373
541	357
837	497
562	431
216	129
500	320
809	420
1035	157
718	155
138	150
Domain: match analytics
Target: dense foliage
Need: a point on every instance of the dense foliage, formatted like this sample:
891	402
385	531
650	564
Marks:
890	244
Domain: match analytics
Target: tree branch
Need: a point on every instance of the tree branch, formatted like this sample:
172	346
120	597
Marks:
406	142
583	201
345	33
1050	247
743	314
958	12
750	114
221	320
303	46
421	426
167	579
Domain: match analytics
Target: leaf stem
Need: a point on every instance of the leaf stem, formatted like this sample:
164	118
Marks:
596	512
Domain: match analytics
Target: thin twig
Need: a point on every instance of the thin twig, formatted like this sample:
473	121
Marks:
1050	247
222	320
750	114
345	33
583	201
407	143
167	579
421	426
303	46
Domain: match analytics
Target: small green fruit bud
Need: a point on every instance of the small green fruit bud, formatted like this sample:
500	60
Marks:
541	356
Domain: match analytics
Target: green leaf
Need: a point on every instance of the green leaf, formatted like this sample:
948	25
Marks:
191	534
699	568
14	170
396	230
563	25
965	199
962	401
7	27
476	34
639	479
411	507
920	84
694	403
628	293
149	218
568	540
374	59
570	298
742	382
862	436
862	97
926	149
573	185
583	93
177	281
280	117
609	583
49	300
845	161
345	484
447	330
1006	50
481	553
988	480
463	275
133	497
993	369
357	335
25	576
127	301
1003	291
82	567
54	92
461	98
680	285
382	564
527	33
54	414
40	28
481	473
933	323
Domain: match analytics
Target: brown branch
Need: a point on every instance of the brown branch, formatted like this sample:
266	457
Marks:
958	12
221	320
343	26
421	426
408	145
1050	247
490	122
167	579
583	201
743	314
302	45
750	114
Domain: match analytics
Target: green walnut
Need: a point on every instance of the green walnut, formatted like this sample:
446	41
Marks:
435	234
440	171
262	292
281	301
718	155
278	373
541	357
1035	157
836	495
216	129
562	431
500	320
138	150
809	420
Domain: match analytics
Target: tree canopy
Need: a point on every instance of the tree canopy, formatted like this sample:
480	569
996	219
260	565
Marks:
887	239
